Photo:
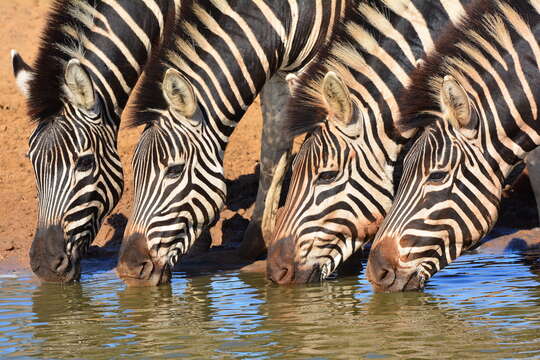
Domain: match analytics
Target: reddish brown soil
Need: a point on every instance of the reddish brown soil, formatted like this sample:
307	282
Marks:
22	22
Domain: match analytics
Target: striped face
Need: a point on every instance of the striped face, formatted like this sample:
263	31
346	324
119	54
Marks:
448	198
338	196
79	181
179	191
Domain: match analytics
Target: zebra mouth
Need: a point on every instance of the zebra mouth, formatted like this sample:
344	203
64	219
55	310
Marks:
78	245
416	280
316	274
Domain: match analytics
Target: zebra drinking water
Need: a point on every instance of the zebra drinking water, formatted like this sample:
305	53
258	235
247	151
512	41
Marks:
90	56
222	54
342	183
474	104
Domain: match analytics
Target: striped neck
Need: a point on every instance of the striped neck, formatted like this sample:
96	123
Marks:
228	52
112	39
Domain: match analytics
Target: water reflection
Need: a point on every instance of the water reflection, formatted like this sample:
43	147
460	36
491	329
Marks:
480	307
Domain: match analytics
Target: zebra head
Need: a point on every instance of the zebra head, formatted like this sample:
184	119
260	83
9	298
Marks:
179	185
338	195
447	199
77	168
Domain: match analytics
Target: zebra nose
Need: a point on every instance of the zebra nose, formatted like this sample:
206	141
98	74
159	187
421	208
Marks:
136	266
381	267
48	258
280	262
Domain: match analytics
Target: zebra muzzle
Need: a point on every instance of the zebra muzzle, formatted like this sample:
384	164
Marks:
136	265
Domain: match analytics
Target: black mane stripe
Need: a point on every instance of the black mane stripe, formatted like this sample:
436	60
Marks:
45	88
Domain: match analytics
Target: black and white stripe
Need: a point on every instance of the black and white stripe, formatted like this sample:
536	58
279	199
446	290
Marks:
222	54
475	104
343	176
90	57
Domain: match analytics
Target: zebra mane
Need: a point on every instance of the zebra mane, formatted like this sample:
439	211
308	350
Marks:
306	109
482	27
66	26
344	54
149	94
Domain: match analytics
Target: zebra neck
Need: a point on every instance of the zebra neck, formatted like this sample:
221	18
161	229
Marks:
123	37
113	40
308	27
228	51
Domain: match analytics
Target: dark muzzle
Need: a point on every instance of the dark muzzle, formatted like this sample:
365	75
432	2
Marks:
136	267
48	257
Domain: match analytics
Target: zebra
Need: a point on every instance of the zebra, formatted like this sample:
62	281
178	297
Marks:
220	56
473	107
90	57
343	176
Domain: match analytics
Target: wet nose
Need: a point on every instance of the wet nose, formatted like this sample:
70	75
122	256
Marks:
48	258
280	262
136	266
381	267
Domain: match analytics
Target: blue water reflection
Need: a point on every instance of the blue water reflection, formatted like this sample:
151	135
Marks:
482	306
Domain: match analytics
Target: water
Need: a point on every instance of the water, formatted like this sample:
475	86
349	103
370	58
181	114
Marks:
483	306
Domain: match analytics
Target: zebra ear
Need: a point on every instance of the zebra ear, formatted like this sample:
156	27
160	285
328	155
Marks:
179	93
79	85
23	73
337	97
456	107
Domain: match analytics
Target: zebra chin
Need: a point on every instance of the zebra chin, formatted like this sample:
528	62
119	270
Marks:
136	267
49	259
386	275
282	268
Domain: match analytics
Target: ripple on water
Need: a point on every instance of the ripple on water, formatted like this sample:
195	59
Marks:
481	306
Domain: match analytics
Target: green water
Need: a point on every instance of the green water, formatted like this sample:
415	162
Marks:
483	306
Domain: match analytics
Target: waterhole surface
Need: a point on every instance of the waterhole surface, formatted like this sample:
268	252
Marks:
482	306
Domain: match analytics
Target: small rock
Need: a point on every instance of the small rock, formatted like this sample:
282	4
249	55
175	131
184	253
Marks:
9	247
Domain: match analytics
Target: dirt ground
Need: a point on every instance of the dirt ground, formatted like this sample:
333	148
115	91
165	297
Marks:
21	24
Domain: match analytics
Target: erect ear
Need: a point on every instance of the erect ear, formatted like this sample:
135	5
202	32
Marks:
337	97
23	73
456	107
79	84
179	93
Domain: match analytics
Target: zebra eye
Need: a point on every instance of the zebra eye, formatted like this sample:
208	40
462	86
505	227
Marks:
437	176
327	177
85	163
174	171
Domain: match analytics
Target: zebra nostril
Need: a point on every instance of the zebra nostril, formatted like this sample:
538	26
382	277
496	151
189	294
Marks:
60	264
146	268
281	274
